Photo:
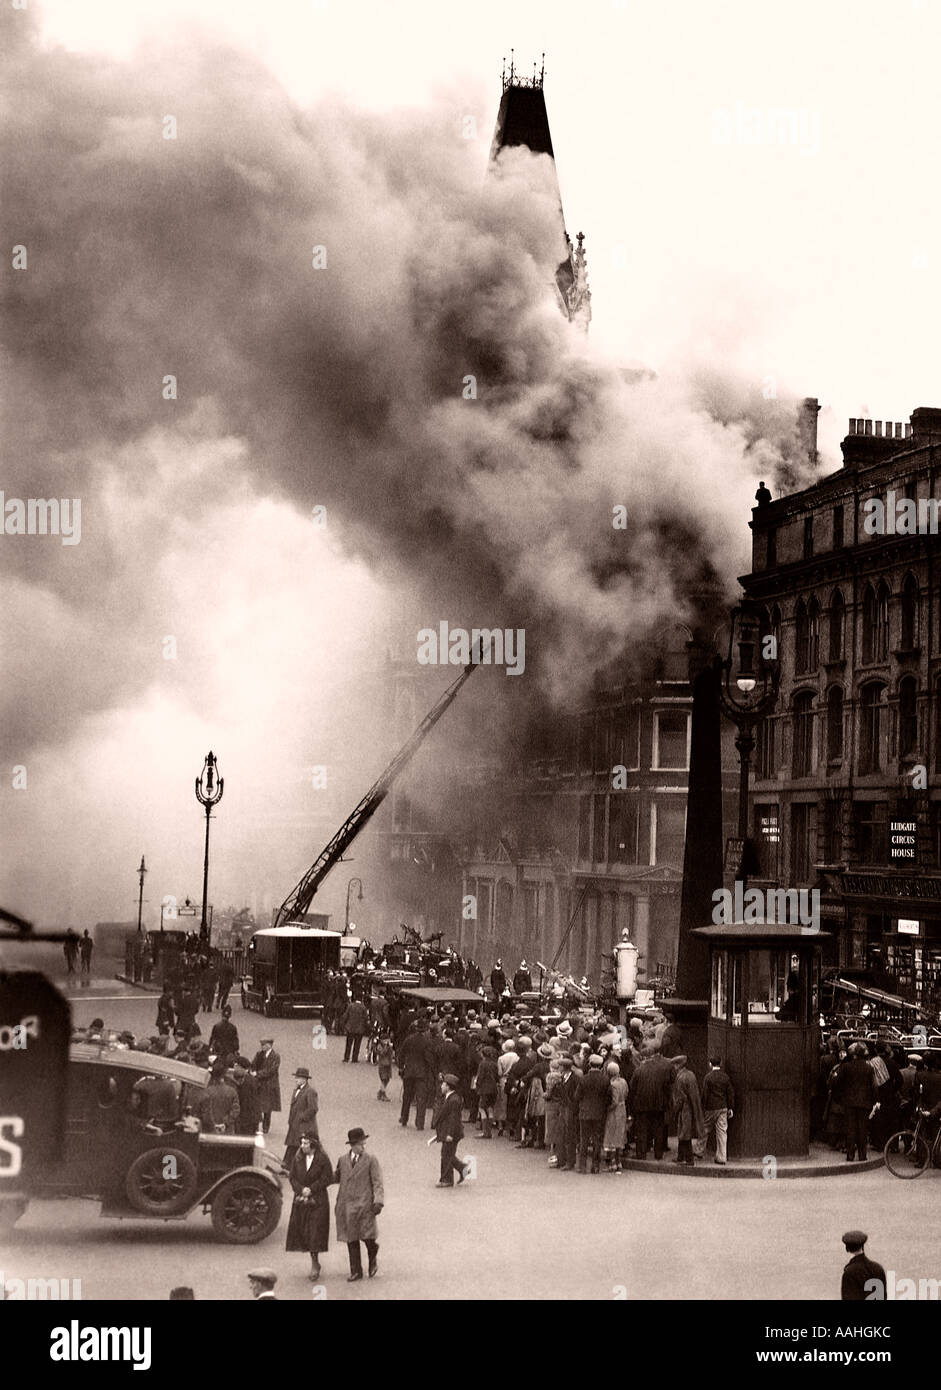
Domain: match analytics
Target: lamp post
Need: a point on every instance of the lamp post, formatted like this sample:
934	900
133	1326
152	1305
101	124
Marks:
209	796
359	899
140	898
747	692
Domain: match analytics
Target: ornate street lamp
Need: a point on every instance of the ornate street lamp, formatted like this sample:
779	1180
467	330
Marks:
209	796
748	690
140	899
359	899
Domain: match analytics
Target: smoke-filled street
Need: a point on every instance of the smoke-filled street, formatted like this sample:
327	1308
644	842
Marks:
519	1231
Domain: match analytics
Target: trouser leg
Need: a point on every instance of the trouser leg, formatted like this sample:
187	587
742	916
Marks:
356	1257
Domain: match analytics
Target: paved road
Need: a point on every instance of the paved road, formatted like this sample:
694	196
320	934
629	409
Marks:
520	1230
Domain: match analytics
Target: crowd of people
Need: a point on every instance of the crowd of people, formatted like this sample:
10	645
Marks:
868	1091
575	1088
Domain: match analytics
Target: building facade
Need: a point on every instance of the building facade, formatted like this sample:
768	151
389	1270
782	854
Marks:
847	789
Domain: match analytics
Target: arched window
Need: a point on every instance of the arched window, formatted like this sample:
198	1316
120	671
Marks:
835	724
813	635
837	616
803	758
875	624
800	636
908	715
881	634
909	614
764	738
873	711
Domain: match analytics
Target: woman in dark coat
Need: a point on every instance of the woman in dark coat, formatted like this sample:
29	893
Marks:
309	1227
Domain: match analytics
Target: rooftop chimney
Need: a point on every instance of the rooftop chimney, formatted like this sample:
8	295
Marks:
807	427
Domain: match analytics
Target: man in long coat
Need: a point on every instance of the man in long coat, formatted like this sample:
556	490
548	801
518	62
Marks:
302	1116
687	1107
359	1201
266	1066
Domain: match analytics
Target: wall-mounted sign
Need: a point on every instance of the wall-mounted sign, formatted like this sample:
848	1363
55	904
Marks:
908	927
903	839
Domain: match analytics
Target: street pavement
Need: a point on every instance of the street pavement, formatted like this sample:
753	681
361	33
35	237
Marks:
517	1230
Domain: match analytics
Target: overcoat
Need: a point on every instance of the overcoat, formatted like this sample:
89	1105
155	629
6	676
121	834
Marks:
269	1083
302	1116
360	1190
309	1226
687	1106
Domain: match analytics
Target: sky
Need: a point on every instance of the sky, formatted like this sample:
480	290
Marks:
756	185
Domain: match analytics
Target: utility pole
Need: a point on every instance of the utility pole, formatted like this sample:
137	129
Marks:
140	899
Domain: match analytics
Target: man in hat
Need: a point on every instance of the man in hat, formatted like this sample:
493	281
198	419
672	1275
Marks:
219	1104
863	1279
417	1068
650	1097
568	1113
266	1067
262	1282
855	1086
224	1038
594	1094
359	1201
302	1115
449	1131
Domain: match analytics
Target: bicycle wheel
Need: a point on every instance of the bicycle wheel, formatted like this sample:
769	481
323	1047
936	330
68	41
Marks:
906	1154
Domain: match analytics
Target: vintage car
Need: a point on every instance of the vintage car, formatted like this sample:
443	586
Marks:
153	1169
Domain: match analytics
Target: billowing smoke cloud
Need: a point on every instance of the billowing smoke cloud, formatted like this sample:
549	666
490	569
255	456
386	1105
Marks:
344	386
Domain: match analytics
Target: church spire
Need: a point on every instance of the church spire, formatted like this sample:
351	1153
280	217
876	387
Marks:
523	120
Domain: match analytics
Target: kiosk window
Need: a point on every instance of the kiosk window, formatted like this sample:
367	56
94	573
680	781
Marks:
720	984
767	984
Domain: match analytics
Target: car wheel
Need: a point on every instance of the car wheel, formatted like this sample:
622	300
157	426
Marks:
11	1209
246	1209
161	1182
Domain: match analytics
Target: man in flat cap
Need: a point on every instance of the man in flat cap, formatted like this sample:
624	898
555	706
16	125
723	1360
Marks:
262	1282
863	1279
449	1131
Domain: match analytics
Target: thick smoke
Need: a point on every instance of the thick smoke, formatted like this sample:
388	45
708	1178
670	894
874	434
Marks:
342	386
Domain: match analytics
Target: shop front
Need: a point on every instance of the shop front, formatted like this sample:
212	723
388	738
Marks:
895	932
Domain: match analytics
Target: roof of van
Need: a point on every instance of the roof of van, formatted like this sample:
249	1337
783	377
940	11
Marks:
294	930
150	1063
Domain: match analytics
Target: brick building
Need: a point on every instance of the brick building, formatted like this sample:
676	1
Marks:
847	786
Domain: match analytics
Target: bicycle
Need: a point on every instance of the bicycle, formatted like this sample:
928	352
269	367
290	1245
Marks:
909	1152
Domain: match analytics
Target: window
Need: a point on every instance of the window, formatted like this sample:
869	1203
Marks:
875	624
908	715
767	838
813	635
803	837
871	826
586	729
835	635
603	742
808	537
671	734
625	740
873	709
838	538
765	765
670	841
719	1002
598	837
584	827
803	759
800	636
833	832
909	614
769	976
835	724
622	829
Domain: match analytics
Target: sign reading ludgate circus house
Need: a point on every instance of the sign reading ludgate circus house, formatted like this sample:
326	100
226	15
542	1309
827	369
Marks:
903	839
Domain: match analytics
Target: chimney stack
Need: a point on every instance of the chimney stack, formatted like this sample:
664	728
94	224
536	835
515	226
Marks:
807	427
